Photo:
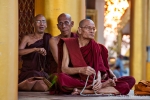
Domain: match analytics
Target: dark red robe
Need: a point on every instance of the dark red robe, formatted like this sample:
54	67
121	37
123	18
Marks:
52	62
33	62
94	55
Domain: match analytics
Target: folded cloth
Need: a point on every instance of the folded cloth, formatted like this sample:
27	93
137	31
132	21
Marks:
142	88
39	84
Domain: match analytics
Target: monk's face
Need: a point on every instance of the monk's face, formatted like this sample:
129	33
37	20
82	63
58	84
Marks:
65	24
87	30
40	24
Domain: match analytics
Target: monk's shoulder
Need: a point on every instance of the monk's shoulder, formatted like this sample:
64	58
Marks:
54	39
27	37
31	35
74	35
69	39
103	48
47	35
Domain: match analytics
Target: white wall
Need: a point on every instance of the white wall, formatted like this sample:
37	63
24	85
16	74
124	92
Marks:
100	20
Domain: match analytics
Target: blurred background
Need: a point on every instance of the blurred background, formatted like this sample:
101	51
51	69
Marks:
123	26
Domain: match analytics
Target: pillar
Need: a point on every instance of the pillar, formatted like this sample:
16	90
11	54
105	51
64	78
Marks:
8	49
51	9
119	41
138	40
147	11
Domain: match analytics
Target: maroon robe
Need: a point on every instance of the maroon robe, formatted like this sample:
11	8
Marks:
34	62
52	62
94	55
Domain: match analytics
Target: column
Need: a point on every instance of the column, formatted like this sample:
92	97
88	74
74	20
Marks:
138	40
147	11
119	40
51	9
8	49
100	20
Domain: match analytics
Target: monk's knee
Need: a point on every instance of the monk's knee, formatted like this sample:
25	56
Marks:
126	89
62	77
132	82
128	79
123	88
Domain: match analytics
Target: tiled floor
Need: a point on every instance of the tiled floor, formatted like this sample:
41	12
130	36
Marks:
46	96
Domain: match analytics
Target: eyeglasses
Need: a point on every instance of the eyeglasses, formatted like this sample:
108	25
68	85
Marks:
88	28
40	21
66	23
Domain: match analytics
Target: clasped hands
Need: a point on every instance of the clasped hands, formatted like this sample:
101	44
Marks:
97	82
42	51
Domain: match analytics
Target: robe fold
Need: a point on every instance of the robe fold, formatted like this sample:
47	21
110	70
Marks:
34	62
52	62
94	55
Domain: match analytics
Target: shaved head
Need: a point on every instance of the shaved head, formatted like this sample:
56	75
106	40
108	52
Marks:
64	15
39	15
82	22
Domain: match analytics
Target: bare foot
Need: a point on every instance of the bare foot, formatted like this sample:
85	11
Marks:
108	90
107	83
89	87
75	91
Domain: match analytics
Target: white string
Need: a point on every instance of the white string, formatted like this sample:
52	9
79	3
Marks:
86	84
94	91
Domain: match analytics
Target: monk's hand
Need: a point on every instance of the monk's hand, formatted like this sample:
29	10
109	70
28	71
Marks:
113	82
115	78
41	51
104	76
87	70
97	85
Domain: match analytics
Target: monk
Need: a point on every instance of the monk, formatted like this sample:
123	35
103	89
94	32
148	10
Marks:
82	58
34	51
64	25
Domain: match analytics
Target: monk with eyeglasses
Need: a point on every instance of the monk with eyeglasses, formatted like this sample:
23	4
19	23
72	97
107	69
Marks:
65	25
82	57
34	51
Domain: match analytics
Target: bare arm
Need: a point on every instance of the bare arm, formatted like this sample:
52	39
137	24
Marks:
113	76
97	85
54	49
86	70
23	51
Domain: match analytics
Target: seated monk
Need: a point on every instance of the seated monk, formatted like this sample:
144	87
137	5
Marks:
34	51
64	25
84	57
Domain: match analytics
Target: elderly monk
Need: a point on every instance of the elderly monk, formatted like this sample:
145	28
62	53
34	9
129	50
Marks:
84	57
34	50
64	25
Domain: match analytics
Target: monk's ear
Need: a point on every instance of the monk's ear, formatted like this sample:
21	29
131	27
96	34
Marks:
46	25
33	24
79	30
58	26
72	23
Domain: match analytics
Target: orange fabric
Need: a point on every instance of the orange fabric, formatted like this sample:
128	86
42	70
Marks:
142	88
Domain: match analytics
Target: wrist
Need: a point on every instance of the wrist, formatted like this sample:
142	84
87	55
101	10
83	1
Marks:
35	49
114	77
79	71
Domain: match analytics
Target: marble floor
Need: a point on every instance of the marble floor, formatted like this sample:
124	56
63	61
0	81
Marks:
47	96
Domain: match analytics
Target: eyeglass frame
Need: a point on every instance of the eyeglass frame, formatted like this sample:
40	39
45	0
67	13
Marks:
40	21
66	23
89	28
